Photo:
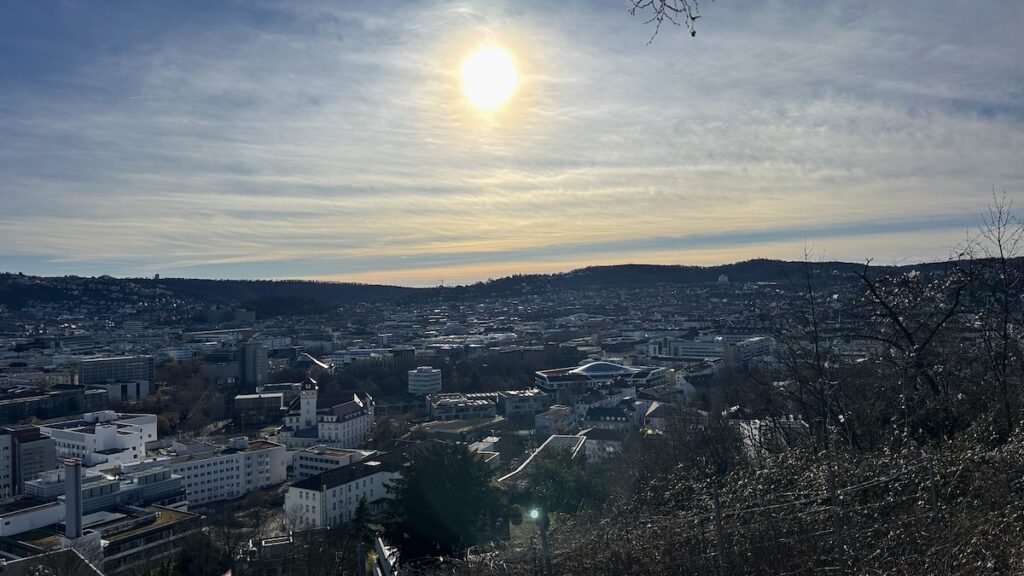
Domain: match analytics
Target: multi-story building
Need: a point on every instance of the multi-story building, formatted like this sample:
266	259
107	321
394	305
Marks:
61	401
623	416
134	486
123	538
424	380
145	539
316	459
331	498
24	455
512	403
735	349
119	392
119	369
289	390
344	422
742	353
445	407
259	408
211	473
594	374
558	420
252	364
103	439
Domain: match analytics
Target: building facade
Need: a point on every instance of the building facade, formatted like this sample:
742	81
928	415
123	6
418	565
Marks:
212	473
595	374
424	380
446	407
316	459
331	498
103	439
119	369
24	455
252	364
513	403
345	423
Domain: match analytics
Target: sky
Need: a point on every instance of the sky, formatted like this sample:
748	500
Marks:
333	140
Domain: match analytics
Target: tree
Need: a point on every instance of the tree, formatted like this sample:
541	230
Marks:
559	483
1000	313
443	503
675	12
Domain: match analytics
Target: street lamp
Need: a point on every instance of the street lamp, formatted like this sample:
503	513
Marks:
541	519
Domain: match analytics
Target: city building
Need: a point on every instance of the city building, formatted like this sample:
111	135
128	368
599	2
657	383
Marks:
122	538
133	485
623	416
557	420
66	562
24	455
259	408
316	459
594	374
445	407
343	422
460	430
513	403
252	364
143	537
331	498
603	443
103	439
742	353
211	473
424	380
119	392
59	402
735	349
118	369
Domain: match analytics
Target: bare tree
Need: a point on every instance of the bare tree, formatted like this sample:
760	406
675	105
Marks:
999	315
675	12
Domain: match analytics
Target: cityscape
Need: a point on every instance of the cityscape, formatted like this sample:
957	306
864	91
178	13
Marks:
511	288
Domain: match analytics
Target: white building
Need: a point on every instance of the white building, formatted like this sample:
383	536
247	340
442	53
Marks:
735	349
345	423
332	497
424	380
594	374
103	439
211	473
316	459
19	516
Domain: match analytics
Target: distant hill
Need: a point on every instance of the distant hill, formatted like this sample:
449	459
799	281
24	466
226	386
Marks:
238	291
304	295
629	275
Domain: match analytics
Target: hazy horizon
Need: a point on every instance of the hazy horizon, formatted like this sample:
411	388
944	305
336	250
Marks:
331	141
448	283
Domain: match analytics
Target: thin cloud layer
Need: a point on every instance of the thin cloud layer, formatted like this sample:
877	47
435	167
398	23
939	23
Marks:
326	140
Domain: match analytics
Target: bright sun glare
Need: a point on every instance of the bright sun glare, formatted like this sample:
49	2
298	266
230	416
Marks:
488	77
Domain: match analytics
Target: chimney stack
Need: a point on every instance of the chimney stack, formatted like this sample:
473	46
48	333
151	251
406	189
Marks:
72	498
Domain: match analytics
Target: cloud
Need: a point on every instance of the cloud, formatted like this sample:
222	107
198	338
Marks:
331	140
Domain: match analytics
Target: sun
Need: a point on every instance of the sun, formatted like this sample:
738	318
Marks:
488	77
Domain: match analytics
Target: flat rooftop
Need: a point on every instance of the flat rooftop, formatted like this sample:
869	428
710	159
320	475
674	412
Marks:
23	504
164	517
328	451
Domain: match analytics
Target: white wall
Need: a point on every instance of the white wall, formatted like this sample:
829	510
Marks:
32	519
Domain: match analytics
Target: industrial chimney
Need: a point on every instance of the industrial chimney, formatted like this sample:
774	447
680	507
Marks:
72	498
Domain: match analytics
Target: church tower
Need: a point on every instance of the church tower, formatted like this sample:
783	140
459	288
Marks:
307	406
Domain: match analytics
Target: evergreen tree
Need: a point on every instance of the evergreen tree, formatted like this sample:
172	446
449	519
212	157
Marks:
443	503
